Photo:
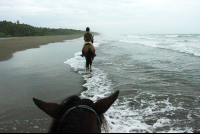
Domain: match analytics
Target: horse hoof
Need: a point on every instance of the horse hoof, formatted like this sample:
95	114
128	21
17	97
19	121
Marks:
90	70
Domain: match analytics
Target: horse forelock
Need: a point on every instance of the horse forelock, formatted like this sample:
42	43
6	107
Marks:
73	122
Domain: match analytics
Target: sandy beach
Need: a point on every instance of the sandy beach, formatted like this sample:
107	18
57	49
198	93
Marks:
8	46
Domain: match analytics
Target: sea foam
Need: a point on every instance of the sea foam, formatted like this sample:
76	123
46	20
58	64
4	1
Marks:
99	86
120	116
188	46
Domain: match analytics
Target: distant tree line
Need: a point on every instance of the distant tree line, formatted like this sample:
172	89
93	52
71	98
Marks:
9	29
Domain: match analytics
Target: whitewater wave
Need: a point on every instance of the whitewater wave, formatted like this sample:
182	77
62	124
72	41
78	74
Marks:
123	116
99	86
172	36
183	46
181	35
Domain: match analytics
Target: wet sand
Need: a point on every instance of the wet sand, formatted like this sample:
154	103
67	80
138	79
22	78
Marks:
8	46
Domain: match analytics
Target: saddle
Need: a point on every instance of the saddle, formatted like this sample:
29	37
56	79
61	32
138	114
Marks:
87	44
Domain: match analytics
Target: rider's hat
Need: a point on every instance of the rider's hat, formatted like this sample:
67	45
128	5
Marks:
88	29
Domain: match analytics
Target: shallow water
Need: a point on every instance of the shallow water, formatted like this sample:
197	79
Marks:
158	77
39	73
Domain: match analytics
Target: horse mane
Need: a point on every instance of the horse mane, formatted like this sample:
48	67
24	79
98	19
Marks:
73	122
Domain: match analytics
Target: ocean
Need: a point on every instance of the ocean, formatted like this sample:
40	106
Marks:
158	77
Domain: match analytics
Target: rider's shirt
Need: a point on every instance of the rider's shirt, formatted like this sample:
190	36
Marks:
88	37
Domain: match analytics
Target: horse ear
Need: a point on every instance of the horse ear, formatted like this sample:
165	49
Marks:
103	105
52	109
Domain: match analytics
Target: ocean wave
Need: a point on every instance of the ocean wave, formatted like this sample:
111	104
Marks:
139	37
134	36
99	86
172	36
133	114
121	117
189	48
183	46
181	35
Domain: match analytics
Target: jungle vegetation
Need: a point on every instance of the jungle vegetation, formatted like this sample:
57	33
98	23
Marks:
10	29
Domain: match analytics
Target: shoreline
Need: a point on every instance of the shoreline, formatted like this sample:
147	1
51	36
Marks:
8	46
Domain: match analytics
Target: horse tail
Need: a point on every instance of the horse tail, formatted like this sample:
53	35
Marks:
89	57
90	54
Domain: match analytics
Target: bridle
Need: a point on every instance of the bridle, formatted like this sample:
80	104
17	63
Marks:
83	107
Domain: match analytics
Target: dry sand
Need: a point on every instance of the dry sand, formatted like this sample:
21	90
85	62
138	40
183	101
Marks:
9	46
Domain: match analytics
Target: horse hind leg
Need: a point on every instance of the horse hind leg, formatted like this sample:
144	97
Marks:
89	70
87	66
91	65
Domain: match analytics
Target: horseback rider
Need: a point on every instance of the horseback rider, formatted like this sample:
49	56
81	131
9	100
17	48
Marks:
88	39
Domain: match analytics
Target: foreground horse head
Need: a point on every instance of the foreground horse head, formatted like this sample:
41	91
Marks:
77	115
89	54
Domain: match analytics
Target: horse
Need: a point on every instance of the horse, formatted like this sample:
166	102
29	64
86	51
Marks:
76	115
89	54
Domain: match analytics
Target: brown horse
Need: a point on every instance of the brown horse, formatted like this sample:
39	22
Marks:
76	115
88	53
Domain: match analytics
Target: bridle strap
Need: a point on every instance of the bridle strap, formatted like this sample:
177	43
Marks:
84	107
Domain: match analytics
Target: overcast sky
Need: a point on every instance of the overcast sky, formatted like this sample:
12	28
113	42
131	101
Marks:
107	16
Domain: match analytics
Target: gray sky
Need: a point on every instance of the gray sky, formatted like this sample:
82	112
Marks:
107	16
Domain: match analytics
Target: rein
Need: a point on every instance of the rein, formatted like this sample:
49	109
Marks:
83	107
